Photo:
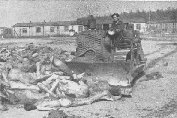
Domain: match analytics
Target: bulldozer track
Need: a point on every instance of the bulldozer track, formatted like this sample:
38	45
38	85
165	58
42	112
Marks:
91	41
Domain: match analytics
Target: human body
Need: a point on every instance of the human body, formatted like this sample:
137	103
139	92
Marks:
117	27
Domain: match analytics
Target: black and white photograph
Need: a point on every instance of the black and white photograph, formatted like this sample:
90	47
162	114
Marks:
88	59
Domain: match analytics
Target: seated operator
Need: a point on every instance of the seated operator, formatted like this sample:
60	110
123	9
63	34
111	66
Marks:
117	24
117	27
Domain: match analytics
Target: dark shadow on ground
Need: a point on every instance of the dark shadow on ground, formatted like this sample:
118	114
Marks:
137	78
163	45
155	51
171	43
155	61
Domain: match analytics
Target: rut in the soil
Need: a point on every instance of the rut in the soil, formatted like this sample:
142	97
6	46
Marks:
153	62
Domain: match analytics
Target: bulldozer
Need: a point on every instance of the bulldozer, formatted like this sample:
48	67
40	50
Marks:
101	56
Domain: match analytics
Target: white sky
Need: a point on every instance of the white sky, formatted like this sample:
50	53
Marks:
17	11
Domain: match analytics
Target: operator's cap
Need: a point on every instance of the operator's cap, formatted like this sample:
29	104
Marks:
115	14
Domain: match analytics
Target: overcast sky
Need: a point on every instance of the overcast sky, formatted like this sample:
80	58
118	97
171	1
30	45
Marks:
17	11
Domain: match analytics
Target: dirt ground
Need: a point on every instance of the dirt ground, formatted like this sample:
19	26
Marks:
155	98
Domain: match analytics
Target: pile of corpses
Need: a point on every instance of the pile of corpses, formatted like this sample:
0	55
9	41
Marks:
38	77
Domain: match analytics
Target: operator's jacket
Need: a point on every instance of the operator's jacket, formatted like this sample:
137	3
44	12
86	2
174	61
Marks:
122	33
118	27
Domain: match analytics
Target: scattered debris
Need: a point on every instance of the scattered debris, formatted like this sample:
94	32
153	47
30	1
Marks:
39	78
154	76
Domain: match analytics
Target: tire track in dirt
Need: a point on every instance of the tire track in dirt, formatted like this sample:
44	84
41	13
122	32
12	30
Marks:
161	55
170	107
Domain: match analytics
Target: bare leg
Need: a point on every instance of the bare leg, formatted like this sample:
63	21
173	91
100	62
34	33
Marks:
104	95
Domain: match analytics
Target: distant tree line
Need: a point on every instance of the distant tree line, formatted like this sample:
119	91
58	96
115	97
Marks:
169	14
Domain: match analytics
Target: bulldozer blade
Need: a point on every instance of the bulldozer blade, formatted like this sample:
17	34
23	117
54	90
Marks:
104	71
